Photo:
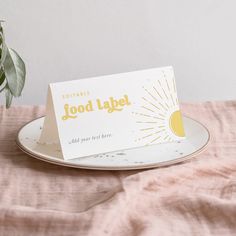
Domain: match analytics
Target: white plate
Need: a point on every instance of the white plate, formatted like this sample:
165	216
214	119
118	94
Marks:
138	158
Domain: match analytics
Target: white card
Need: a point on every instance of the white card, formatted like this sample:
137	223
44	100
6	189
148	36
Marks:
113	112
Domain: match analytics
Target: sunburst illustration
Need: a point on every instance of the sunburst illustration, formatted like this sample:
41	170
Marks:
159	118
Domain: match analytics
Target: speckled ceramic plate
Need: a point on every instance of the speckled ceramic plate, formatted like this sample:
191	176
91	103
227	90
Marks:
197	137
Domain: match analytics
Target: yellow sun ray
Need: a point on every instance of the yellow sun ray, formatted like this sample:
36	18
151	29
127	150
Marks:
147	129
150	94
157	99
141	114
148	109
155	139
167	107
163	106
146	122
165	137
149	135
162	89
174	85
169	98
167	85
169	139
150	103
157	92
170	92
172	100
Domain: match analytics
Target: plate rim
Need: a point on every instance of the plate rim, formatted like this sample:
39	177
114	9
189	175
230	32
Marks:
137	167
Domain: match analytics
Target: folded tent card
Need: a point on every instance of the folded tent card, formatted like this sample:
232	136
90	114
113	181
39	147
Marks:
113	112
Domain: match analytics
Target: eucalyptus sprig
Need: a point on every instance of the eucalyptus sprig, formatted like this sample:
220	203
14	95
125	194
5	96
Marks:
12	71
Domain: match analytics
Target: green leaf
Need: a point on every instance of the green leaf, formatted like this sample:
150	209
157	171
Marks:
14	69
2	77
8	96
3	47
3	81
1	33
3	86
3	54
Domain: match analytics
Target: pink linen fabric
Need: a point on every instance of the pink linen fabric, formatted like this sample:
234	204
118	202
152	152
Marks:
197	197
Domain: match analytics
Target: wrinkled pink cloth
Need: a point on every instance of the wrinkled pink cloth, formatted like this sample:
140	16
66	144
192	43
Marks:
197	197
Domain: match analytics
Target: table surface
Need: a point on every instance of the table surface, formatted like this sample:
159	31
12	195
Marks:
197	197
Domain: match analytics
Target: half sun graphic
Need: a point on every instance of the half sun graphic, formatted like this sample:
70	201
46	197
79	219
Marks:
159	118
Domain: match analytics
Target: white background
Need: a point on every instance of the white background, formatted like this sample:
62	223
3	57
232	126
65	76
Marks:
71	39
